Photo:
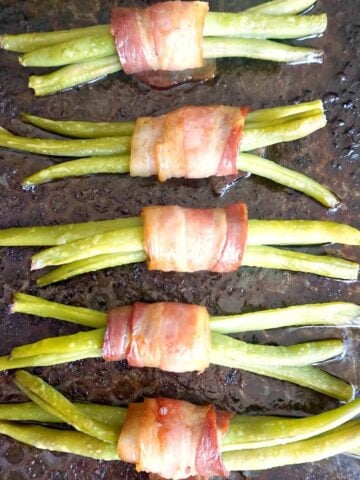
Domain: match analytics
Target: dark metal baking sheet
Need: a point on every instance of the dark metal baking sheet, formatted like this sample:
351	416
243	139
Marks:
331	156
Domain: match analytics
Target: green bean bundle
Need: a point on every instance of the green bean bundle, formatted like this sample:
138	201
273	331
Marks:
85	247
109	146
285	363
87	54
250	442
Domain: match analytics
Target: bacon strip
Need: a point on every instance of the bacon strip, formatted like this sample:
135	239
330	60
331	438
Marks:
174	439
171	336
146	134
164	36
117	334
188	240
191	142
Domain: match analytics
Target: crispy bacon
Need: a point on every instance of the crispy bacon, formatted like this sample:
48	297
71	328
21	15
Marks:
189	240
171	336
174	439
191	142
164	36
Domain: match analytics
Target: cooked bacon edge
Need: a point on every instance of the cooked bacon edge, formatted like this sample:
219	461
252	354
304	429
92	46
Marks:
163	79
171	336
164	36
146	134
174	439
191	142
117	333
189	240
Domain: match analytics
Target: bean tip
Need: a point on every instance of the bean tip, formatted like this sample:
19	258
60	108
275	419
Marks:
12	308
332	202
36	264
313	55
27	184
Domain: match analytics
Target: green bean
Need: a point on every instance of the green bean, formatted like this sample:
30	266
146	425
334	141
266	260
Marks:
332	313
217	47
3	131
291	128
30	304
223	47
73	51
90	265
283	176
107	414
269	115
31	412
216	25
27	42
26	412
214	20
72	75
287	132
225	350
233	353
79	129
245	162
62	234
282	120
300	232
282	7
338	440
78	342
125	240
248	432
306	376
60	441
55	403
259	25
269	257
6	363
74	168
67	148
335	313
244	432
255	256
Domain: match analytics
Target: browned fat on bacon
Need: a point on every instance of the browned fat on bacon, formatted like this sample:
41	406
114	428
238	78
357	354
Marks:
188	240
191	142
171	336
164	36
162	79
174	439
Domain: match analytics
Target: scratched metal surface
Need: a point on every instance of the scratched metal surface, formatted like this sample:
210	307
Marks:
331	156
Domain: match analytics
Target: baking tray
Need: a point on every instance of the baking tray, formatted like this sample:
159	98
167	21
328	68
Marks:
331	156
